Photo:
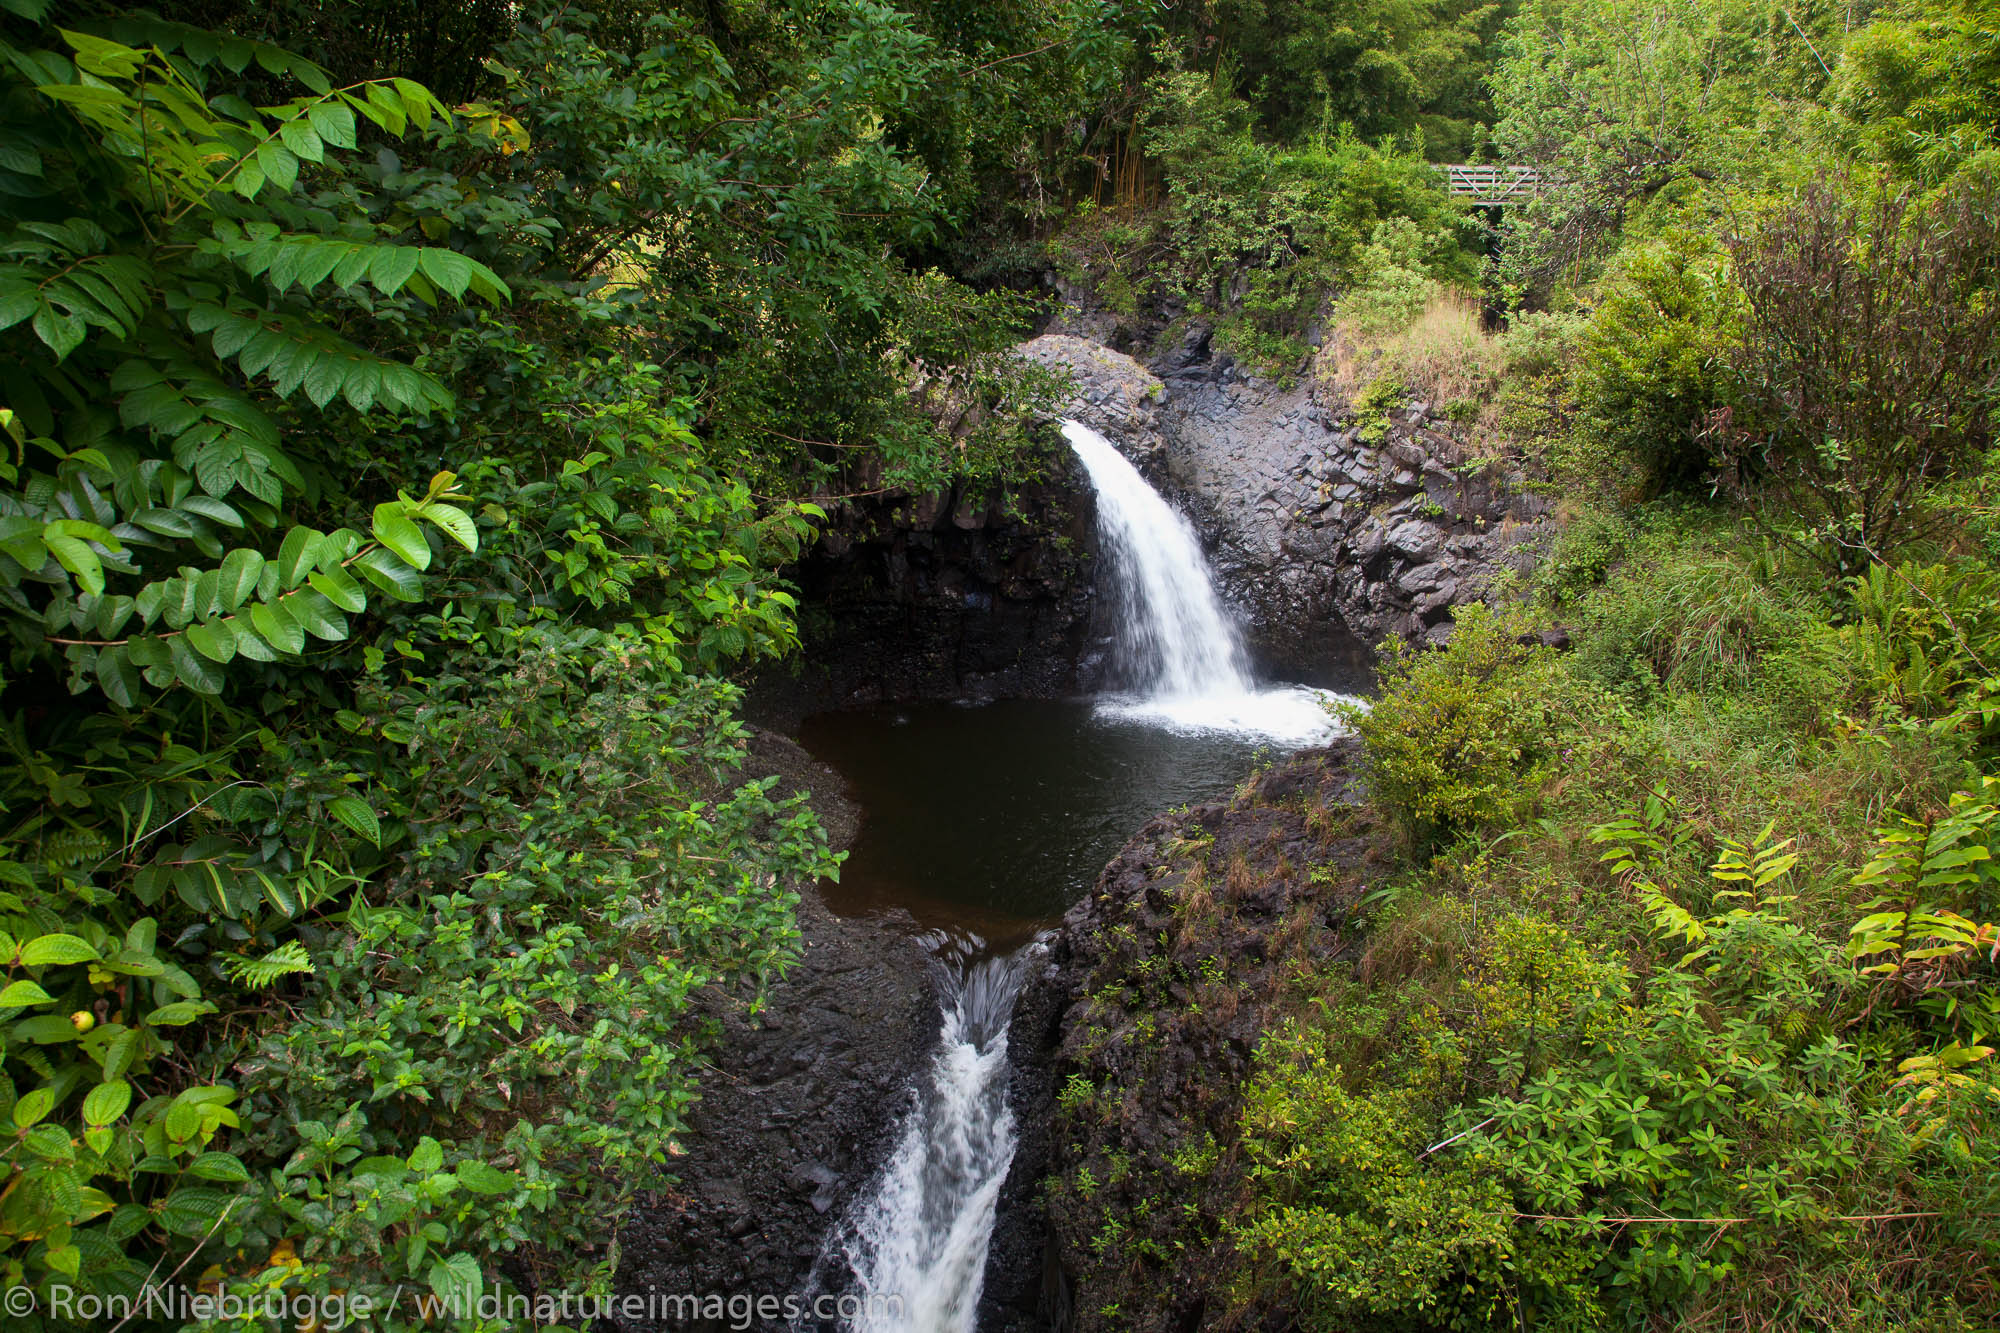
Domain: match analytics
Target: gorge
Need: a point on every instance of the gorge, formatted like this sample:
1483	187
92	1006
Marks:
666	666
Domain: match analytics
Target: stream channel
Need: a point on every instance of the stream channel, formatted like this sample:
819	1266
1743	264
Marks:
985	822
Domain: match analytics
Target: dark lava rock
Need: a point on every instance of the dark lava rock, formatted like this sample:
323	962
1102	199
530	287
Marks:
1326	541
1154	994
798	1104
966	593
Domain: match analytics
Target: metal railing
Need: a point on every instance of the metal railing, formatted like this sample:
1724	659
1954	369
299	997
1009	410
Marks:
1493	185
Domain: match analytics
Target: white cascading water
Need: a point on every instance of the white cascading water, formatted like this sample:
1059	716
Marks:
1184	657
917	1249
914	1254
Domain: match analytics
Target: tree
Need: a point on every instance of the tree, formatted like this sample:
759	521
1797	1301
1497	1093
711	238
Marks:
1920	86
1386	67
1870	361
1627	103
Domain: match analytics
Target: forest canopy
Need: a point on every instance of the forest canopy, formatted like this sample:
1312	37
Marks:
411	413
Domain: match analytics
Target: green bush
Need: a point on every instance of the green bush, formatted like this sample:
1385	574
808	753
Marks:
1344	1219
1390	287
1655	358
1462	738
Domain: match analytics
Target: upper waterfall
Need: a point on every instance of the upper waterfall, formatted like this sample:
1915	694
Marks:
1182	657
1177	642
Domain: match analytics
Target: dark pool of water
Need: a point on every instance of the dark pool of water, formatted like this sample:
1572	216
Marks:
994	818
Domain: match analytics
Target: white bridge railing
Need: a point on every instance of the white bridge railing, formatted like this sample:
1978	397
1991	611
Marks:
1494	185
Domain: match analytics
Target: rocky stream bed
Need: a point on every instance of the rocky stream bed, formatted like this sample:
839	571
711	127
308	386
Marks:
1325	534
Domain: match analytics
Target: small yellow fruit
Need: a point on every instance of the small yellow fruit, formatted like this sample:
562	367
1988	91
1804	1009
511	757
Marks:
83	1020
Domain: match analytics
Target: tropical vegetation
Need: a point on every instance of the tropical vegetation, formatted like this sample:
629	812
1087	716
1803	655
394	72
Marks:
409	414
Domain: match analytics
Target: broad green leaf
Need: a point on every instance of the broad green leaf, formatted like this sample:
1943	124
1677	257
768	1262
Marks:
62	333
213	640
392	267
455	522
482	1178
33	1107
106	1102
356	814
121	1053
45	1030
56	951
298	554
393	575
240	571
277	627
333	121
316	614
23	992
191	1211
220	1166
79	559
394	530
427	1157
179	1013
457	1280
448	269
299	136
338	587
249	643
102	57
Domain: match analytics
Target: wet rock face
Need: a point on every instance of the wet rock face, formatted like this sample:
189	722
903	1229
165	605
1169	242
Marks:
1331	533
1149	1007
1115	395
972	592
799	1106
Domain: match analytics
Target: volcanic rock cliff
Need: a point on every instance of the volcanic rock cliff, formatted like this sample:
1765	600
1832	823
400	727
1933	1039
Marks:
1327	530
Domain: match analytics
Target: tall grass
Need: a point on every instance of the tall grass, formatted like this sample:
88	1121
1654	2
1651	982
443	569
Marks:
1444	357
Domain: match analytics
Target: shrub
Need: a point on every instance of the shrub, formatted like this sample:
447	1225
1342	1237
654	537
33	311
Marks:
1868	366
1543	342
1344	1217
1390	287
1655	356
1462	738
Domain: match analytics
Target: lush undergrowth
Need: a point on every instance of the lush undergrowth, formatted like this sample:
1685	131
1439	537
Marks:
389	488
1666	996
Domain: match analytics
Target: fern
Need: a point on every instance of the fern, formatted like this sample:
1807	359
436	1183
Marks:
1756	866
293	354
285	260
288	959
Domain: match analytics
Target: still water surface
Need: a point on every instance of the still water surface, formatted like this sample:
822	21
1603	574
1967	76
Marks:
994	818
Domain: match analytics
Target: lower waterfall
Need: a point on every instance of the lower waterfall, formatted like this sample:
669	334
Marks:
911	1258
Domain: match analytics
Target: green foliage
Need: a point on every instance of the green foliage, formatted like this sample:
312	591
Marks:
1459	739
1655	357
1735	1131
1919	88
374	523
1640	112
1346	1217
1923	641
1377	399
1391	285
1257	238
1387	67
1867	374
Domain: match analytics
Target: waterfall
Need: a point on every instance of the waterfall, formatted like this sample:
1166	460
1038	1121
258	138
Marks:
1182	657
916	1250
911	1258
